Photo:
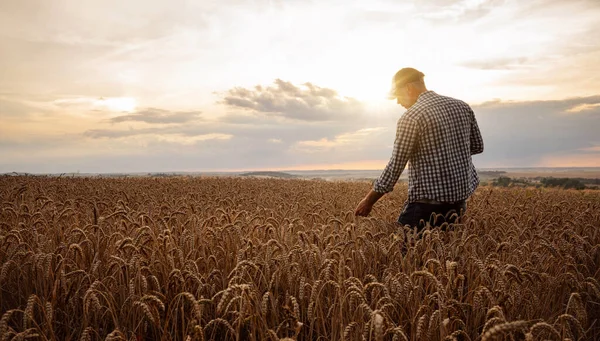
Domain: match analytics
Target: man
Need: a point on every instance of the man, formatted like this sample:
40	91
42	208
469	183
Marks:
438	135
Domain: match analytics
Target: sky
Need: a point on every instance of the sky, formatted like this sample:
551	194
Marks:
156	86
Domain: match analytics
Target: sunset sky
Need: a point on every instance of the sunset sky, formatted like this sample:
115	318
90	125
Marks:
149	86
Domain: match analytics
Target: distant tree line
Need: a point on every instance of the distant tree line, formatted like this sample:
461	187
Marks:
566	183
563	183
162	175
586	181
490	173
271	174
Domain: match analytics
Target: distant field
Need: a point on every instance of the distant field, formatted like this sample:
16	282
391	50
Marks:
556	174
193	258
485	174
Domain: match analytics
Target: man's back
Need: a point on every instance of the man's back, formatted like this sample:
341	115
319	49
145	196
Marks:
441	167
437	135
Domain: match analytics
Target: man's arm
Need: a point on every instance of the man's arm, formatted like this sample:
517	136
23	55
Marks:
366	205
475	138
407	135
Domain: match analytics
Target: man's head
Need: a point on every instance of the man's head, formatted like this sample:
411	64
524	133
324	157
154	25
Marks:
407	85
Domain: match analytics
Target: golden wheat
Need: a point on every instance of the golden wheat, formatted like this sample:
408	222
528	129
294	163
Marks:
265	259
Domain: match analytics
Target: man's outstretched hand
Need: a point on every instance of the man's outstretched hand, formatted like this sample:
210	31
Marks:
363	209
366	205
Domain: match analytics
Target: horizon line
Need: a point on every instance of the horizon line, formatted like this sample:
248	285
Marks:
276	170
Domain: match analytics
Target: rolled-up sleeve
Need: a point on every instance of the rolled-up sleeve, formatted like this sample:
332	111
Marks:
407	133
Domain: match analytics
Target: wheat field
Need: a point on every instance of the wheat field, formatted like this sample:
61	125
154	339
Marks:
267	259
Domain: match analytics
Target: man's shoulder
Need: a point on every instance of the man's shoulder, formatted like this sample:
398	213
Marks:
409	115
437	98
432	100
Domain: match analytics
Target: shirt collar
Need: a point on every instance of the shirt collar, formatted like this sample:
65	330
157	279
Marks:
425	94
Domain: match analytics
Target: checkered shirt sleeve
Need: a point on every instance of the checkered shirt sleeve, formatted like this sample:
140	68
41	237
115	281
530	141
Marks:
436	137
407	133
475	141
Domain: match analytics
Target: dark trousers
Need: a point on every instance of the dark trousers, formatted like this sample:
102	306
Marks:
419	214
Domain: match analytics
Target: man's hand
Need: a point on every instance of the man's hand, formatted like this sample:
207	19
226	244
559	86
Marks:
363	209
366	205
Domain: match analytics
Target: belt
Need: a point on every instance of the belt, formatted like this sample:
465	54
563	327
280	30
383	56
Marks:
435	202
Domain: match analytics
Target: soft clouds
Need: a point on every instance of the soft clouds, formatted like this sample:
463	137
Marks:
158	116
182	139
305	103
594	149
457	11
163	126
174	55
355	141
11	108
83	104
509	63
583	107
517	134
77	75
536	133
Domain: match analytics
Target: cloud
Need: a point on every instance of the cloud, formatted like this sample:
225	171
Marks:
16	109
354	140
449	11
554	106
583	107
188	140
116	104
252	130
158	116
594	149
189	131
78	24
116	134
304	103
155	136
516	134
497	63
171	56
570	160
245	118
530	133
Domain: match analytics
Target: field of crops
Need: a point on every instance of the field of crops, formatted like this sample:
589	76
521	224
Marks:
266	259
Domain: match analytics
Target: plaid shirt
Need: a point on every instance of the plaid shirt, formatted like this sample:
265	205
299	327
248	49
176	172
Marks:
438	135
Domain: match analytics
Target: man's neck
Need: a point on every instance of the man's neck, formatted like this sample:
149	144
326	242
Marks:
420	93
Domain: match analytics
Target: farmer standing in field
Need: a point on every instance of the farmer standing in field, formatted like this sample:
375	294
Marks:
438	135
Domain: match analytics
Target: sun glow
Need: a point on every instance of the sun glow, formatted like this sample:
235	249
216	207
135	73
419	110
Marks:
116	103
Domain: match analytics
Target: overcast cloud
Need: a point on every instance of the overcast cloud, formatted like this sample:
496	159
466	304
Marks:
305	103
516	134
142	85
153	115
